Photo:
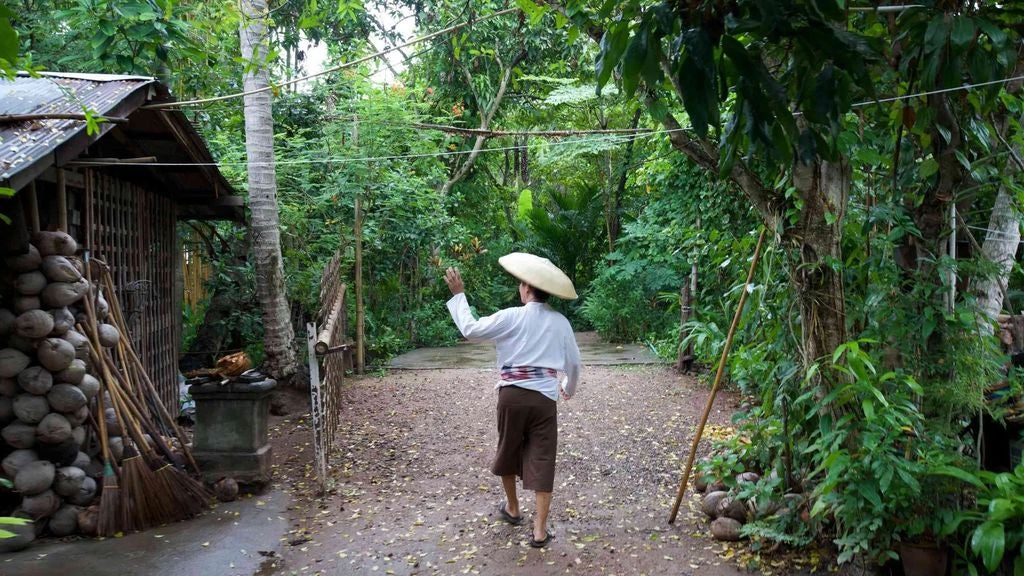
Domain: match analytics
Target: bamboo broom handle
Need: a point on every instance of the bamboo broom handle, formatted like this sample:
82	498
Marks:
120	411
143	421
115	306
718	379
94	347
104	440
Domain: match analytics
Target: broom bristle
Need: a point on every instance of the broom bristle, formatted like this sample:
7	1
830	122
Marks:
152	503
188	505
109	521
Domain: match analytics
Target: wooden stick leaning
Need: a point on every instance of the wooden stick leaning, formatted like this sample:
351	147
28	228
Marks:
138	510
107	523
186	496
158	504
718	379
147	383
189	496
130	513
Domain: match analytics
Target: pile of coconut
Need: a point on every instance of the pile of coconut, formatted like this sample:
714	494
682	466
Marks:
47	385
729	512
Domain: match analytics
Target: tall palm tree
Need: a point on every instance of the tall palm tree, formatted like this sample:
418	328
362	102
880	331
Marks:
278	337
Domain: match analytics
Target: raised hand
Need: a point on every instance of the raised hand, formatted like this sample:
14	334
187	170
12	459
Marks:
454	281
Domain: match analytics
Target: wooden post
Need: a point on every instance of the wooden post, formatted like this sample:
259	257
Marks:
360	345
718	378
358	232
62	202
684	358
687	295
33	207
89	216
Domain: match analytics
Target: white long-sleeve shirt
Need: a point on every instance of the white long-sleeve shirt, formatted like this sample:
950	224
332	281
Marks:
531	335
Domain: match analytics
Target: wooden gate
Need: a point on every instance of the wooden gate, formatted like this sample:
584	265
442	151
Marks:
327	343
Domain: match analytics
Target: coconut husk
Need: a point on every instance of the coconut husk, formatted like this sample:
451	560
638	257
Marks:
86	493
109	335
64	521
60	269
61	454
23	304
66	398
15	460
21	344
55	354
79	342
54	428
59	294
35	380
30	283
31	409
40	505
26	262
18	434
34	477
12	362
75	373
63	320
54	243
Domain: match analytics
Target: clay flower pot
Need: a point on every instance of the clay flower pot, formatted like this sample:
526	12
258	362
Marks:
924	558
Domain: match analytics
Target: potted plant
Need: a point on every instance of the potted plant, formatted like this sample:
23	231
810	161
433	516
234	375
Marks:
923	548
994	530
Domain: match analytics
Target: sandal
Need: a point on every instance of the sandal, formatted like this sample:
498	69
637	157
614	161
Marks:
542	543
504	515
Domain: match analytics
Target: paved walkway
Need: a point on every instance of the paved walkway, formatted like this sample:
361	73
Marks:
233	539
593	352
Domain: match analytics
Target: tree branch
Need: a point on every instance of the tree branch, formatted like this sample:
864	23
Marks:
485	121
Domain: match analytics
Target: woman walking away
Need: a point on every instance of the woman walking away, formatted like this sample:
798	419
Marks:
534	343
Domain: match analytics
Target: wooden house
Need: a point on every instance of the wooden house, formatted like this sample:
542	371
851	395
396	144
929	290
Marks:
119	191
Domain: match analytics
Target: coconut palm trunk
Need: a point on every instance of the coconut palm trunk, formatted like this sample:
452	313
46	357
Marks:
278	337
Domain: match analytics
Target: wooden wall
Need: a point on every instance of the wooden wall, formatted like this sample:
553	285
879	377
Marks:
134	233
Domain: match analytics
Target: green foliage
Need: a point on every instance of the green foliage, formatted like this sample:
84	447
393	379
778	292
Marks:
880	480
994	528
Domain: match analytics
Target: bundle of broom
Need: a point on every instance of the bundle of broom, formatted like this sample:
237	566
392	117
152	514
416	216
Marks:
151	491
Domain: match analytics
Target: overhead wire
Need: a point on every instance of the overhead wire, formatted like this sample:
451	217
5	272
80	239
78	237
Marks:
622	137
278	85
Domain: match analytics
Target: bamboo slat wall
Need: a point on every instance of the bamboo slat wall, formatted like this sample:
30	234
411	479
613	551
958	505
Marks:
195	268
135	235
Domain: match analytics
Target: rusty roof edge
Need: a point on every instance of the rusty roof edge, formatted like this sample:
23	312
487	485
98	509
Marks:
17	177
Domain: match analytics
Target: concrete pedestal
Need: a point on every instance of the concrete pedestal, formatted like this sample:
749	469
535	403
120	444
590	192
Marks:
231	430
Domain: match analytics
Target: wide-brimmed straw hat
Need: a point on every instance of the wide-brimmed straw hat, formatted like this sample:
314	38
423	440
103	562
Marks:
539	273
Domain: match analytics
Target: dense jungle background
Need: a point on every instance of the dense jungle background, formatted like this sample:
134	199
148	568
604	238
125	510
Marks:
642	147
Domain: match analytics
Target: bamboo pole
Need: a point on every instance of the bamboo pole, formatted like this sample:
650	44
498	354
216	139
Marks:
358	232
90	217
62	201
33	207
323	340
360	317
718	378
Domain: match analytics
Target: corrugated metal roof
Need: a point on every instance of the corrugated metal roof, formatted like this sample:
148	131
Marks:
22	144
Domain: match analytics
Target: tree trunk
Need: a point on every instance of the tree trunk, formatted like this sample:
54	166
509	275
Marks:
824	188
1003	236
486	115
278	337
615	199
1000	248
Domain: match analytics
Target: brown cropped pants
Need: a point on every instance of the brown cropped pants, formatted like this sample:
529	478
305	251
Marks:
527	437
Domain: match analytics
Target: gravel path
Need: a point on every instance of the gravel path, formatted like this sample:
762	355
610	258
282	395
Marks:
411	490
